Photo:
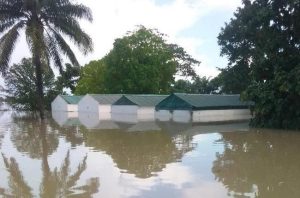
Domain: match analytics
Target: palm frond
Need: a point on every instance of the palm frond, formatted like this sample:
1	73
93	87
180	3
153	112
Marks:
65	48
10	10
53	52
64	8
6	25
72	29
7	44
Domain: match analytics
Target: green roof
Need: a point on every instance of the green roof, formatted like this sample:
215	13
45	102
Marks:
140	100
71	99
106	98
201	102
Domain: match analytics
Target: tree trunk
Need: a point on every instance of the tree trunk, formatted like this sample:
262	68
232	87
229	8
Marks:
39	83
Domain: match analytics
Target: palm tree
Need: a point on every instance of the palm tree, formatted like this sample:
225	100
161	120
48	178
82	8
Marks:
46	24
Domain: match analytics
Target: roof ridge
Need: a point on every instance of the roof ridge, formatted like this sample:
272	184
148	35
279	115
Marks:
193	94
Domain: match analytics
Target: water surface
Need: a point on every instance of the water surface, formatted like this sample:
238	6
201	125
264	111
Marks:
145	159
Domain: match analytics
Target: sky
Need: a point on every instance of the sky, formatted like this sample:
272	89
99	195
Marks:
192	24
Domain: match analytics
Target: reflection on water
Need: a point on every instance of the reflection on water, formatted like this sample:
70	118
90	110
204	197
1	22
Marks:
266	163
144	158
142	154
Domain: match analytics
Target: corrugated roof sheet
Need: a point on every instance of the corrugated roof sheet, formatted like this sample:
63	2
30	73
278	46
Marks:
202	101
106	98
71	99
141	100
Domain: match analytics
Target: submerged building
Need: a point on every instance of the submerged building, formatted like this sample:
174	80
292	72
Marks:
99	104
65	103
139	106
205	107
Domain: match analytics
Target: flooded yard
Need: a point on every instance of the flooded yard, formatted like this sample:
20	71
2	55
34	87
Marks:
145	159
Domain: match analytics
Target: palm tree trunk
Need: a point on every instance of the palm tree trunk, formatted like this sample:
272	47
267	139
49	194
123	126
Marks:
39	83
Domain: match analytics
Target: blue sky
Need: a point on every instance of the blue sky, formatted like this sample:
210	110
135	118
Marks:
192	24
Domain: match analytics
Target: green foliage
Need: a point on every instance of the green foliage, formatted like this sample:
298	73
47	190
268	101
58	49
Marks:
200	85
264	38
92	78
143	62
68	78
233	80
182	86
19	82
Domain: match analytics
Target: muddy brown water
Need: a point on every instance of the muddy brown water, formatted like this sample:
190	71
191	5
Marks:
145	159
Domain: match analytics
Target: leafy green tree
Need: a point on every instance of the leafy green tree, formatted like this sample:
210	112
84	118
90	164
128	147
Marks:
233	80
92	78
199	85
143	62
68	78
19	82
264	37
203	85
182	86
45	23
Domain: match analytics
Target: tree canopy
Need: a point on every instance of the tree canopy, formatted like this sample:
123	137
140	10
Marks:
69	77
262	43
19	82
143	62
92	78
199	85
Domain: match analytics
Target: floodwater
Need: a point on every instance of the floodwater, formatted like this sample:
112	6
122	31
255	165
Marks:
63	158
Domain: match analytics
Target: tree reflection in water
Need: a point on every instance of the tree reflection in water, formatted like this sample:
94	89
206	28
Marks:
31	136
39	140
140	153
265	164
17	185
61	183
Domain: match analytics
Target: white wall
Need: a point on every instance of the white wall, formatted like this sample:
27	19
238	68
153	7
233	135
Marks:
163	115
182	116
146	110
132	113
104	108
88	104
59	104
124	109
221	115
